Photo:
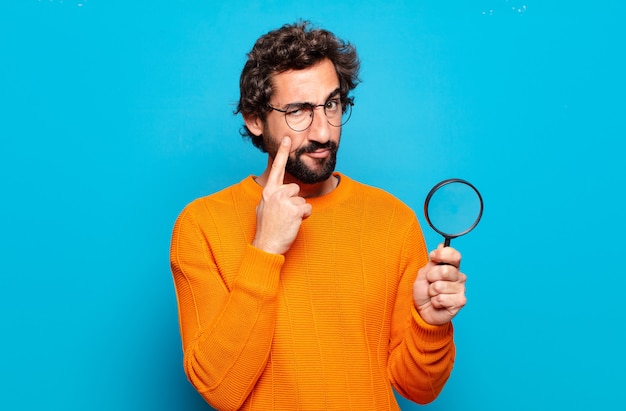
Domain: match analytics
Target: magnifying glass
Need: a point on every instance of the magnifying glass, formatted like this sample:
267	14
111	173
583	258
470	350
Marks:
453	208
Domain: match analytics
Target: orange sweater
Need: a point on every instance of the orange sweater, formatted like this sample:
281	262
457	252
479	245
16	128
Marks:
328	326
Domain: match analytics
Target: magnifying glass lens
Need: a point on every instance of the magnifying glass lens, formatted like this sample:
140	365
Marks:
453	208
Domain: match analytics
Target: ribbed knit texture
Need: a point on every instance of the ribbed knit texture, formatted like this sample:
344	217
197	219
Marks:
328	326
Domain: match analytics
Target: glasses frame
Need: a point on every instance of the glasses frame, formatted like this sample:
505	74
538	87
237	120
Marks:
346	106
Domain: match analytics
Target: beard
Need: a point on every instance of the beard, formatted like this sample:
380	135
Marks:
321	170
324	167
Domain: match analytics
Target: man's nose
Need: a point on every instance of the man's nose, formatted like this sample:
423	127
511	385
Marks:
320	129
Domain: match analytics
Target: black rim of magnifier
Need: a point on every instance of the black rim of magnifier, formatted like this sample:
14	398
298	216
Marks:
449	236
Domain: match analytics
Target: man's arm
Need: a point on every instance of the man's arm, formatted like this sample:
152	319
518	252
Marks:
226	333
421	354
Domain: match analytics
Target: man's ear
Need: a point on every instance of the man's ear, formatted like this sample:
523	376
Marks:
254	124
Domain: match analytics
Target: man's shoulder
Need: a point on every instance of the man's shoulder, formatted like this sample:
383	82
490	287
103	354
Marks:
223	199
372	190
379	197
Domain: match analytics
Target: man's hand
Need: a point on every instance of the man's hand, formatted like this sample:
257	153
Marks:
439	290
281	210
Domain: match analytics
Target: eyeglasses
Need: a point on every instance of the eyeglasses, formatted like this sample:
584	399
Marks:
299	116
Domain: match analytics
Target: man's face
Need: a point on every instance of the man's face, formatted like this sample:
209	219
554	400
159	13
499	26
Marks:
313	151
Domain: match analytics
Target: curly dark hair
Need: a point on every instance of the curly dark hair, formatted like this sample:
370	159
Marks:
292	47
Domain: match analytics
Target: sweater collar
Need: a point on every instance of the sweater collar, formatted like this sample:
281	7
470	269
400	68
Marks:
345	186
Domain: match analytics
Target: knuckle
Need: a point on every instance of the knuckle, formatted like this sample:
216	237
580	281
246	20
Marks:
432	290
446	271
438	301
277	164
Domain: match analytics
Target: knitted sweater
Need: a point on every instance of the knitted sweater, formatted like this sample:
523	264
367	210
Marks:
330	325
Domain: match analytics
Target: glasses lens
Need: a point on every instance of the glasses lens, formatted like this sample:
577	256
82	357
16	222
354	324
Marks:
299	117
339	116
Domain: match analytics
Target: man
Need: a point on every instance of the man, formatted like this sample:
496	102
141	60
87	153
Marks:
300	288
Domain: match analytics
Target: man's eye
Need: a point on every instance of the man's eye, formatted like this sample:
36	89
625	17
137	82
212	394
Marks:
332	105
296	110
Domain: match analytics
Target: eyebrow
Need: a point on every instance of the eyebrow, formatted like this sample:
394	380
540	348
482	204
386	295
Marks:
332	94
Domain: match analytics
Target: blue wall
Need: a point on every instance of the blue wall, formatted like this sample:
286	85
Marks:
115	114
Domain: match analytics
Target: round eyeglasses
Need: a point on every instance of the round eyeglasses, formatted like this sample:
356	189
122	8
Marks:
299	116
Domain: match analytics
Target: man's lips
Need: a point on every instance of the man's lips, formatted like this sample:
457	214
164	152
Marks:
320	153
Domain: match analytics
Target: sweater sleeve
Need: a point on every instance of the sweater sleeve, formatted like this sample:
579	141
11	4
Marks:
226	329
421	355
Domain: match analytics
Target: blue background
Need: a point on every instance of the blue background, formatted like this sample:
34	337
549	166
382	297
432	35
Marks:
115	114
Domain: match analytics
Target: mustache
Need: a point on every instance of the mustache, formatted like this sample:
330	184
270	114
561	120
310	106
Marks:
314	146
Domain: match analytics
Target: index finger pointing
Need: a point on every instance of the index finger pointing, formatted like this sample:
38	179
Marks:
277	172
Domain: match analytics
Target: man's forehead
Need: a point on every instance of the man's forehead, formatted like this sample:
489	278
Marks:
311	84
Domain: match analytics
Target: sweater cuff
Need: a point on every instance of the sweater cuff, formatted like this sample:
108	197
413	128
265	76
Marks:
260	271
427	332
